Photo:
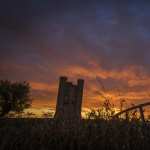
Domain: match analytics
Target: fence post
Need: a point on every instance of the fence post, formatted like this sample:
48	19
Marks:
127	116
142	114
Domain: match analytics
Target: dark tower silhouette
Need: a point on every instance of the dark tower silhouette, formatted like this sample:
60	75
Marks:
69	100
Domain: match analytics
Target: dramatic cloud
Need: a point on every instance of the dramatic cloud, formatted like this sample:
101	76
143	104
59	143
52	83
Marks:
104	42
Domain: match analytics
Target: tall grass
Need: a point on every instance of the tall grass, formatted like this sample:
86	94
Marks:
90	134
98	131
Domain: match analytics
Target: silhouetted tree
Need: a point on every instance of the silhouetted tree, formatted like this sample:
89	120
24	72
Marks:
14	97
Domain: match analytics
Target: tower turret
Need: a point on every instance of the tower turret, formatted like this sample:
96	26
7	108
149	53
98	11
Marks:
69	100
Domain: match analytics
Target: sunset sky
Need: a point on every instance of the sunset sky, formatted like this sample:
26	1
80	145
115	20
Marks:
107	43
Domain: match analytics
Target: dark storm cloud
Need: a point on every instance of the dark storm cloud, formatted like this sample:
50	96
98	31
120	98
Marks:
113	32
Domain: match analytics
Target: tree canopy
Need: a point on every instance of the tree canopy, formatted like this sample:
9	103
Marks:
14	96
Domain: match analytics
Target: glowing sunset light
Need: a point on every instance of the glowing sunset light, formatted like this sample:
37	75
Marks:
107	45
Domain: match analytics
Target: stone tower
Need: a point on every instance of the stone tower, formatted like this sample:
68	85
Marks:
69	100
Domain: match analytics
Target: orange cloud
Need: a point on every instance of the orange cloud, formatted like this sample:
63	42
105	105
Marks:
132	76
94	71
43	86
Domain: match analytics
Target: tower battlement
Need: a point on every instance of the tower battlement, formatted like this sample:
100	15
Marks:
69	99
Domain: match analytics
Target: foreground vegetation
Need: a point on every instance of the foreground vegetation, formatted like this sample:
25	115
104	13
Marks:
47	134
100	130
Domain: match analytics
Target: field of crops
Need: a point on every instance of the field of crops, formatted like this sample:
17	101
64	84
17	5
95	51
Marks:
46	134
